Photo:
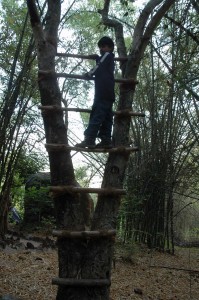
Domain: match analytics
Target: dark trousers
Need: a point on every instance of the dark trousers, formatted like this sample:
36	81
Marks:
101	120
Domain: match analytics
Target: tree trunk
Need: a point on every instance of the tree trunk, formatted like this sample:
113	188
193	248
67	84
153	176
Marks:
86	258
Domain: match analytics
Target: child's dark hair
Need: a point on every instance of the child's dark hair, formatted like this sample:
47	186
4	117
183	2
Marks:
106	41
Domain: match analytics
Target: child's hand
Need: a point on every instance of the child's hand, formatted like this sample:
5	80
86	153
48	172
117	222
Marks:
87	75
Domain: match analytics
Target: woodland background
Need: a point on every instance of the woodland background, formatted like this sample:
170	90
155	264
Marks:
162	204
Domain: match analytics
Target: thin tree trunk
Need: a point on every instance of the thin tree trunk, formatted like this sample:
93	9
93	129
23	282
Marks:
10	123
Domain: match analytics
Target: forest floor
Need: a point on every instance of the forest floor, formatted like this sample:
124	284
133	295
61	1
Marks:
26	272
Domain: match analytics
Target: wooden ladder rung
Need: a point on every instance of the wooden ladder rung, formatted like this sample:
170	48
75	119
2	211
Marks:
81	282
73	189
83	234
60	54
128	112
124	112
50	73
64	147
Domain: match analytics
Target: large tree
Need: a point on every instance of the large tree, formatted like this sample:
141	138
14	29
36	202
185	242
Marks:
84	259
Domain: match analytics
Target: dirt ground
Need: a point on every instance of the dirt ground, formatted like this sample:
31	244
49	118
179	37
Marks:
138	274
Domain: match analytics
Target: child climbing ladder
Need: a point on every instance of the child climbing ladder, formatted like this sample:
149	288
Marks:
101	117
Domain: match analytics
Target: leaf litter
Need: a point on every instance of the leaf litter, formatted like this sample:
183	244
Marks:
144	274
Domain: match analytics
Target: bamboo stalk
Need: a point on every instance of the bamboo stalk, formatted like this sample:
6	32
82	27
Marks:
81	282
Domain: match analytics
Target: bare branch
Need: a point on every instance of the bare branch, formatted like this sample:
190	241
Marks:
141	23
155	21
35	21
53	21
118	27
141	35
34	16
187	31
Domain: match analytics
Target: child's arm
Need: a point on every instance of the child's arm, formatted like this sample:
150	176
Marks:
87	74
93	70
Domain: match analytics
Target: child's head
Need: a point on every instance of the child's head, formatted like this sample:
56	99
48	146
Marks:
106	44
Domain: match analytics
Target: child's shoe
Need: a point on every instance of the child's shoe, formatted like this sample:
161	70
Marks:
86	143
105	143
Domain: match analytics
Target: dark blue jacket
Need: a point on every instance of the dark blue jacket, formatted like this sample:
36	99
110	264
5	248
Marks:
104	79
